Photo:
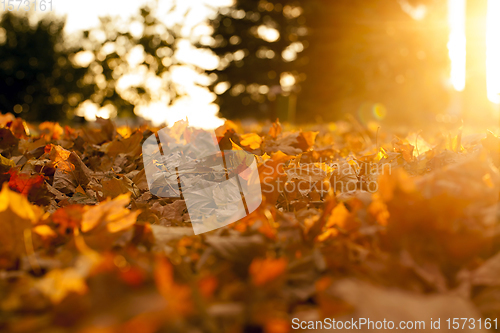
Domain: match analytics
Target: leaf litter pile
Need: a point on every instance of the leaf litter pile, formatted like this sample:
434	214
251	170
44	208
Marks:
354	223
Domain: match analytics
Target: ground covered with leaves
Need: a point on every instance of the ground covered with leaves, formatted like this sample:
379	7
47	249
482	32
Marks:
356	221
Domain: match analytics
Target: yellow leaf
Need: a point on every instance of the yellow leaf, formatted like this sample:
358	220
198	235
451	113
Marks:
58	283
18	204
44	231
251	140
17	216
310	138
339	216
491	142
59	156
111	213
275	129
378	209
7	162
124	131
235	146
51	131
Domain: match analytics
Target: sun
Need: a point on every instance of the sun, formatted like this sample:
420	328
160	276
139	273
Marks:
493	51
457	47
457	43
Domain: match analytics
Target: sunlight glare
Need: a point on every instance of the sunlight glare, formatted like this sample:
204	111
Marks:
84	58
199	114
90	111
493	51
268	34
457	42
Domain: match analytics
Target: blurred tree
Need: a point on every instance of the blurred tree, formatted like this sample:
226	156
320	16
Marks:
117	66
131	65
258	43
376	58
37	80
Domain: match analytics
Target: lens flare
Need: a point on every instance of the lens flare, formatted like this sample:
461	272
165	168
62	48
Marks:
371	112
493	51
379	111
457	42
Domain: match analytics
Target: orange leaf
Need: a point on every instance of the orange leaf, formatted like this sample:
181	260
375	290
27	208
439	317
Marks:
275	129
112	214
264	271
51	131
130	146
178	296
68	218
251	140
272	174
59	156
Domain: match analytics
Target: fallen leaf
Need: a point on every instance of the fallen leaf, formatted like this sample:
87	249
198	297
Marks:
264	271
251	140
111	213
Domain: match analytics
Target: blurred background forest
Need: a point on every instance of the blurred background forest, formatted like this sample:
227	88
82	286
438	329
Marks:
396	61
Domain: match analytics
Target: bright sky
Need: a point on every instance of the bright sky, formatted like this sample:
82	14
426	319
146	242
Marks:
199	109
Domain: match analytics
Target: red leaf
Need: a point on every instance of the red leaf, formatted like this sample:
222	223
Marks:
24	183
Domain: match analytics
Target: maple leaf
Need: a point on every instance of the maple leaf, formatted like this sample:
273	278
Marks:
178	297
59	156
487	274
251	140
430	226
19	128
114	187
70	170
7	139
68	218
275	129
6	118
130	146
287	143
404	148
25	183
58	283
111	214
141	181
377	303
272	174
338	219
105	132
267	270
6	164
228	125
51	131
17	217
306	140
